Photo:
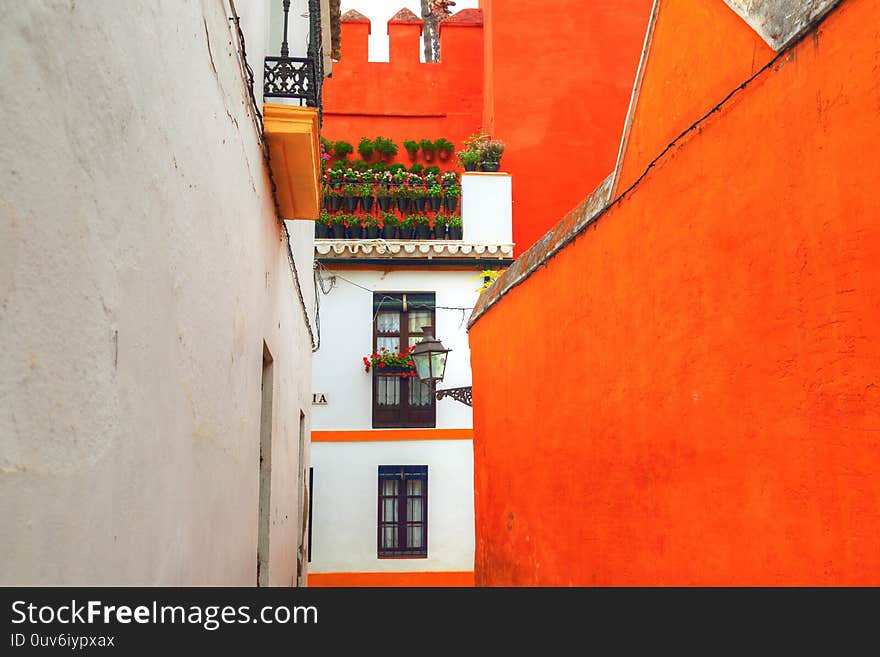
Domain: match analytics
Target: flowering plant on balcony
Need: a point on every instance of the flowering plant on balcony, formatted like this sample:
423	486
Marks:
392	361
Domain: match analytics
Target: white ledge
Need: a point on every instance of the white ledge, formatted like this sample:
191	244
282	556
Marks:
428	249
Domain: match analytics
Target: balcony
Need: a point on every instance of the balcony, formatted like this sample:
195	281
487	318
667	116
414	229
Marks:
292	77
485	231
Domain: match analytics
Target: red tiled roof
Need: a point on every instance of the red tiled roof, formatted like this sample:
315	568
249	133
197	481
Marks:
354	16
404	16
466	17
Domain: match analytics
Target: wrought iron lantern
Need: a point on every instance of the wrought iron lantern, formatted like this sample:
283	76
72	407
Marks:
429	357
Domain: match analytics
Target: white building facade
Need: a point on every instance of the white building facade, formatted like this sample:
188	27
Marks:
155	322
392	466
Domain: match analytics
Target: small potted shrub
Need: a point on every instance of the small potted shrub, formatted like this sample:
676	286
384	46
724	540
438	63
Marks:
491	153
396	168
370	225
366	147
451	197
435	196
334	200
428	149
351	194
433	170
386	148
335	176
417	169
412	148
422	225
342	149
366	194
444	148
440	221
448	178
401	195
351	175
322	225
401	177
383	197
469	159
337	225
405	226
388	225
419	197
453	224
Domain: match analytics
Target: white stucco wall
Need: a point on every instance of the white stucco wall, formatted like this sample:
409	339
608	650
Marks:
347	336
141	271
487	208
344	520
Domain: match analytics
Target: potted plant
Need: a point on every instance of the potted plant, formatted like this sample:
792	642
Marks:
386	361
388	225
405	226
337	225
370	224
366	194
453	224
491	153
351	175
322	225
335	176
383	198
448	178
417	169
366	147
444	148
450	197
401	195
440	221
422	225
386	148
342	149
435	196
351	194
419	197
469	159
401	177
396	168
412	148
428	149
334	200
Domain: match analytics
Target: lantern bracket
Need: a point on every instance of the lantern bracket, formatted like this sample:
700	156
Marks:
462	395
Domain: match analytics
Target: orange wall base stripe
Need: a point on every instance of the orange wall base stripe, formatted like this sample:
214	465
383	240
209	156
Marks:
418	579
373	435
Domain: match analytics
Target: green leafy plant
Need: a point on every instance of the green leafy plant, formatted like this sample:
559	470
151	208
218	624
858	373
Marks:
385	358
453	190
337	219
412	148
401	176
385	147
324	218
342	149
469	158
369	220
441	219
365	190
430	178
444	147
394	168
492	150
433	169
387	219
366	147
434	191
427	146
421	220
453	220
351	176
351	190
360	166
335	175
339	165
450	177
406	221
417	168
402	191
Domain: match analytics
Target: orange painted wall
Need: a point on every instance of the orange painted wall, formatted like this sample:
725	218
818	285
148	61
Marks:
404	99
689	393
421	579
559	82
686	82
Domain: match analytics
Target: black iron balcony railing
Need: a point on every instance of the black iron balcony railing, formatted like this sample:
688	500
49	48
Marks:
292	77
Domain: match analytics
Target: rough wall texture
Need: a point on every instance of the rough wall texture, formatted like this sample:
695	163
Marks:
558	99
404	99
141	270
688	393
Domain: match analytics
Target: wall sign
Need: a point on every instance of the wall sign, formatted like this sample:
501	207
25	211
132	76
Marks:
319	399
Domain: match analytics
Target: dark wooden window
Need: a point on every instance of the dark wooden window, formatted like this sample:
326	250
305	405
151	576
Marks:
398	319
403	511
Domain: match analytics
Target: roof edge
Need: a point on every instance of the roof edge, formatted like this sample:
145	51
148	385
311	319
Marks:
780	22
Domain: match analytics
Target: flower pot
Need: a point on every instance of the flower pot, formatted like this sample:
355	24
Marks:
440	232
372	232
423	232
388	232
335	203
434	203
412	155
470	167
428	155
420	203
322	231
455	233
336	185
366	203
355	232
451	203
490	166
384	203
338	231
403	204
351	202
444	155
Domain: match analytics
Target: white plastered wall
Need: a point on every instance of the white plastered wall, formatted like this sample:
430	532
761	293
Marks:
141	270
344	520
